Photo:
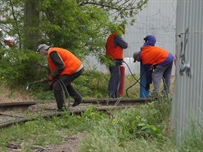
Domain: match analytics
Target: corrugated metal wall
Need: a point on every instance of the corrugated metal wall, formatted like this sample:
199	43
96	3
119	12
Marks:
188	94
158	18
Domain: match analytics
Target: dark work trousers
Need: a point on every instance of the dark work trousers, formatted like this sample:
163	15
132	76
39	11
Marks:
115	79
59	91
162	72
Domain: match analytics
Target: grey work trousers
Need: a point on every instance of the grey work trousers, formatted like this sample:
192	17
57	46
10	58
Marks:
162	72
59	91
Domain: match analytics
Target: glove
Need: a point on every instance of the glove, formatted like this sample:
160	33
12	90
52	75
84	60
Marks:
50	77
50	86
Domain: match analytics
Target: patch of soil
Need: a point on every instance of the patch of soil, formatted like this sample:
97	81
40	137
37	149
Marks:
71	144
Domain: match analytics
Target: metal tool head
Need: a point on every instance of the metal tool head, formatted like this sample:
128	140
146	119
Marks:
28	86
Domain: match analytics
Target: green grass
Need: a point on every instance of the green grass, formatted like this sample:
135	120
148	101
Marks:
51	131
132	130
126	130
142	128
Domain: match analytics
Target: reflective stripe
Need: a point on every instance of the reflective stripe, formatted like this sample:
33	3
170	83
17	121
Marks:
79	68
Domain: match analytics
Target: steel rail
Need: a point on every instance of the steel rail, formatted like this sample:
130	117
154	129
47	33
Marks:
48	115
115	101
110	104
102	101
7	105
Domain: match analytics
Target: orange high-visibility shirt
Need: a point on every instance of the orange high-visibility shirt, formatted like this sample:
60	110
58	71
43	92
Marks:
153	55
71	62
115	52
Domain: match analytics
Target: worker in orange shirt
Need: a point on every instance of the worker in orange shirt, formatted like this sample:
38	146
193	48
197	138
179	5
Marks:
157	62
114	50
65	67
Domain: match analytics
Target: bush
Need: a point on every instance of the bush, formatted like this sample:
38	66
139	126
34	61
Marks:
20	67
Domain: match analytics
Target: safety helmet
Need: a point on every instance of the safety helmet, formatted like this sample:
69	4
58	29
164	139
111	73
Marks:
42	47
135	55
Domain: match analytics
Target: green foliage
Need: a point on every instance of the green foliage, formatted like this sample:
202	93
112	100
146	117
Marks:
73	121
80	26
156	113
132	86
43	132
18	67
21	68
130	130
192	137
92	84
12	25
40	92
81	29
92	114
134	124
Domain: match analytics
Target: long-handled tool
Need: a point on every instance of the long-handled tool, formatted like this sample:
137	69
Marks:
62	85
28	86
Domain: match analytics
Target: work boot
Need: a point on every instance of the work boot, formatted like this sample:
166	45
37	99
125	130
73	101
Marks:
76	103
153	96
62	109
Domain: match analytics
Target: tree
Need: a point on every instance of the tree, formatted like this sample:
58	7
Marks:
80	26
31	22
11	23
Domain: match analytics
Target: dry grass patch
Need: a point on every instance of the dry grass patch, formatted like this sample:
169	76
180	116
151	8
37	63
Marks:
9	95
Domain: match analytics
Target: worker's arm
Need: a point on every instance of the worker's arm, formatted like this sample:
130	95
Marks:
57	60
118	41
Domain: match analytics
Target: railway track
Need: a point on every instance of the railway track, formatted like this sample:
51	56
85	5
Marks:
20	112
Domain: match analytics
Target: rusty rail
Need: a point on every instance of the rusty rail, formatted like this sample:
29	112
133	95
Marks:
111	104
48	115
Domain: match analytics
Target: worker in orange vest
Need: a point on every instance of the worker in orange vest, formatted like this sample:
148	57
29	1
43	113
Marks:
158	64
66	67
114	50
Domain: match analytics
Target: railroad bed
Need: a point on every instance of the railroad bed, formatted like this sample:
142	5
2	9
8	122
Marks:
18	112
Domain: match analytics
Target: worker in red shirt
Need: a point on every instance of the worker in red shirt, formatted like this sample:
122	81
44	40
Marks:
65	67
158	64
114	50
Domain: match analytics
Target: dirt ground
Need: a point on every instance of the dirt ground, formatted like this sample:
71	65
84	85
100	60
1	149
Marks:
70	145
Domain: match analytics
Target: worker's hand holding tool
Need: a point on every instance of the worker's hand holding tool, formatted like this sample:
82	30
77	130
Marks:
37	81
51	85
49	78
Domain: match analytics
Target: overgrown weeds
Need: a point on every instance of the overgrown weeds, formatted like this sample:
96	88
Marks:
44	132
131	130
144	128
